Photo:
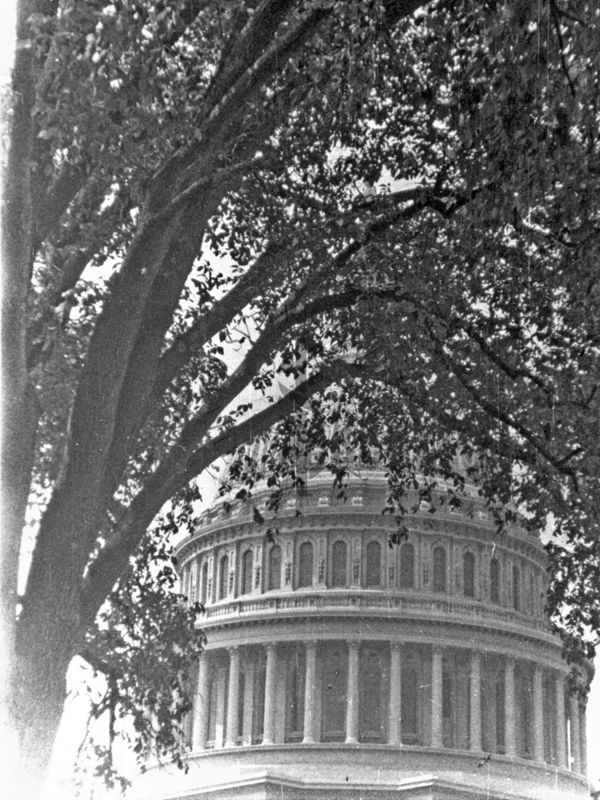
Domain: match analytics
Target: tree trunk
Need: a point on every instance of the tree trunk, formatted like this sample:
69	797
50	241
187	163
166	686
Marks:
19	407
39	695
47	639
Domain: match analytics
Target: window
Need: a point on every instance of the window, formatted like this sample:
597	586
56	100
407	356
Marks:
448	700
439	569
549	713
258	698
469	574
338	564
372	700
500	709
275	567
223	573
524	712
305	564
373	568
192	584
409	689
247	572
407	566
333	717
495	580
204	583
516	587
294	697
530	594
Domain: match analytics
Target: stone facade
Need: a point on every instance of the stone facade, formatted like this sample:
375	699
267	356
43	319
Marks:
340	667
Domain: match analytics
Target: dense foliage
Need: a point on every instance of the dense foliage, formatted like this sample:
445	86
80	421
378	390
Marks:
392	201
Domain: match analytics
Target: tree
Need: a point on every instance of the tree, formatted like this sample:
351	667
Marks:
392	200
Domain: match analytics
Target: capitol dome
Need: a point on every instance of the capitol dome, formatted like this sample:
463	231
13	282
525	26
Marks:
338	666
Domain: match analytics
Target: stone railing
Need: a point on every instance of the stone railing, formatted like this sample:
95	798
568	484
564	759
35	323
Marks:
374	603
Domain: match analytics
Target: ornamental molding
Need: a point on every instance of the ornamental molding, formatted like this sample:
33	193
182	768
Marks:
507	644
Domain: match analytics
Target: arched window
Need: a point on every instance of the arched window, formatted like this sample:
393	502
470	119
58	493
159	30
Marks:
338	564
373	567
275	567
469	574
223	574
439	569
530	594
305	564
407	566
204	583
516	587
247	572
495	580
192	583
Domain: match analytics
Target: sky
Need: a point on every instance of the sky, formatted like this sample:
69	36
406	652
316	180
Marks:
73	725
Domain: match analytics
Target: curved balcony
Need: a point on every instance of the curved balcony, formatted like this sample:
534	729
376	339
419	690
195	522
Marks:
376	604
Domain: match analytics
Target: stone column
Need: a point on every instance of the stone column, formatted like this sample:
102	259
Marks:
510	743
352	694
561	722
201	706
309	693
475	704
233	698
575	731
249	669
221	679
538	715
436	697
270	683
583	739
395	722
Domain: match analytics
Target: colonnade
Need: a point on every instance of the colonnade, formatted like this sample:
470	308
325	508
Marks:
236	703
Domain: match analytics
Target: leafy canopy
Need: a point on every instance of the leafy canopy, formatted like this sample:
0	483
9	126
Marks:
393	202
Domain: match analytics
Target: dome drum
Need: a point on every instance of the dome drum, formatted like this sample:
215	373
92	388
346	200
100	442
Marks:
329	648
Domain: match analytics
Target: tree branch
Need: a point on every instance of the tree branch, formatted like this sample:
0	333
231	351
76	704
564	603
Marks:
176	472
215	319
57	199
221	179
